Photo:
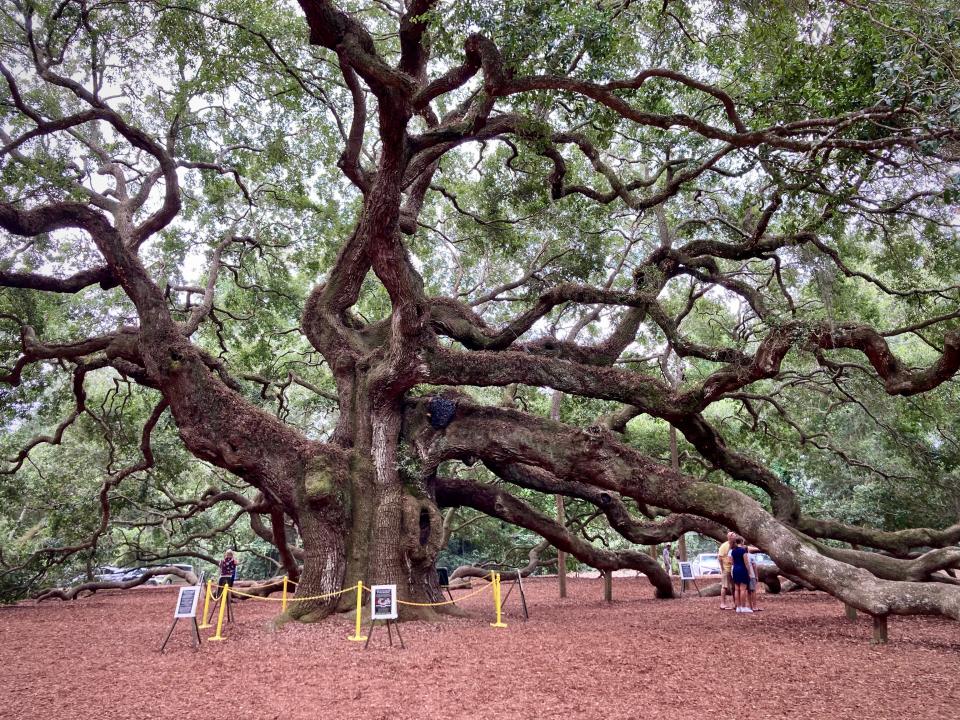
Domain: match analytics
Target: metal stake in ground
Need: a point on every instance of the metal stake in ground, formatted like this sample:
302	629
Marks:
388	623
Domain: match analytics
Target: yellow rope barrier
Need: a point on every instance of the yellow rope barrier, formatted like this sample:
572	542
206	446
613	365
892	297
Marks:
352	588
445	602
234	591
359	588
321	597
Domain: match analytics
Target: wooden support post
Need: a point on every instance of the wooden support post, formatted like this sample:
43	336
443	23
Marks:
851	612
523	597
561	555
561	515
608	585
675	464
879	630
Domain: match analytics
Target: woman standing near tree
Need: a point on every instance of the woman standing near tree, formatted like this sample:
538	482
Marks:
741	576
228	570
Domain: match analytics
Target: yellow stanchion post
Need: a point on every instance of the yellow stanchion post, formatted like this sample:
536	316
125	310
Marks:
224	599
357	637
283	606
496	600
206	607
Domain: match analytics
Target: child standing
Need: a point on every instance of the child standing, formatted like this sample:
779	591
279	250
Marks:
754	579
741	576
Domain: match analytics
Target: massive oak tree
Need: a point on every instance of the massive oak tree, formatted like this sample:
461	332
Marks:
736	219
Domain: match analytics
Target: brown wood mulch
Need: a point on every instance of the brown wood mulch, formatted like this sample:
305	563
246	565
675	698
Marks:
576	658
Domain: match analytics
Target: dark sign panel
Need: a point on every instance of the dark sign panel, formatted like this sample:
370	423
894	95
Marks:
384	599
187	601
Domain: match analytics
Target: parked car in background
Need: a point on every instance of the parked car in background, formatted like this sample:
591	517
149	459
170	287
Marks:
706	564
107	573
764	559
132	573
170	579
103	573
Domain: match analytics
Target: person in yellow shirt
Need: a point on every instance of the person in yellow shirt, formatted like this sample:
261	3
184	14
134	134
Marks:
726	569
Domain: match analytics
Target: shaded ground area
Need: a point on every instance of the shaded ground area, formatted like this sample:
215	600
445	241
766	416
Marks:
578	658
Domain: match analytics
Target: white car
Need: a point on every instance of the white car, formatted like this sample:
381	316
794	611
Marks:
706	564
103	573
170	579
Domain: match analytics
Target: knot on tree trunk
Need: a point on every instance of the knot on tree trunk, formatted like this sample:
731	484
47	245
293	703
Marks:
421	531
324	484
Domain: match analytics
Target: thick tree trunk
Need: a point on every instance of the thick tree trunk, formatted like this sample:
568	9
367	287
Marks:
323	567
385	529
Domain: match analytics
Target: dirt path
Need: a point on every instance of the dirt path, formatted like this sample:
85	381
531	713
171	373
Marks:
579	658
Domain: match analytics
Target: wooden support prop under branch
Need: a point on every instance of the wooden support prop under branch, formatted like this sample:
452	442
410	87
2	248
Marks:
879	630
851	612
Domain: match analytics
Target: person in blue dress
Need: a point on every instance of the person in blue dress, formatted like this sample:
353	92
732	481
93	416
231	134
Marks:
741	576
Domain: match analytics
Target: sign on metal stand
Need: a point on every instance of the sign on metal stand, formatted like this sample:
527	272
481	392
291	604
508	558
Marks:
518	582
686	573
443	579
186	608
383	606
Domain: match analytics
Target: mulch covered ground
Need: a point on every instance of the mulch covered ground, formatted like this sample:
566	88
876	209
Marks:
577	658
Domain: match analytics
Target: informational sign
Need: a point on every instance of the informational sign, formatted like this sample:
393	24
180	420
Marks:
383	602
187	601
443	575
686	571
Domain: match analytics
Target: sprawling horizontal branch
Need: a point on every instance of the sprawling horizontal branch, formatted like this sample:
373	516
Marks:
917	569
898	542
501	435
71	284
116	345
787	136
93	586
618	515
655	397
456	320
497	502
534	561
